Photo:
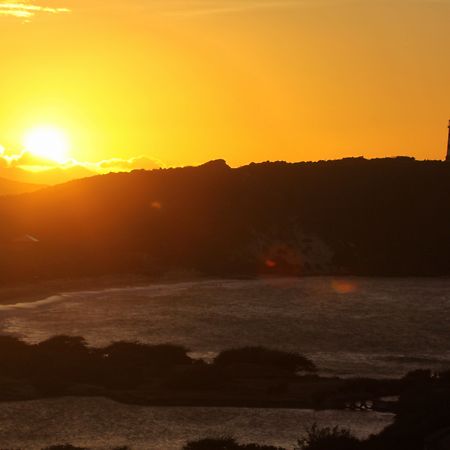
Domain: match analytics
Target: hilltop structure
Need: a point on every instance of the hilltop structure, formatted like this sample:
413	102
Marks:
448	144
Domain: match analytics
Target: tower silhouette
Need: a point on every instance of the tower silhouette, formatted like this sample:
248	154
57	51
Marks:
448	144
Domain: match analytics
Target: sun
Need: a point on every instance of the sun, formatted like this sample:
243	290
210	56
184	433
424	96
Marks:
47	142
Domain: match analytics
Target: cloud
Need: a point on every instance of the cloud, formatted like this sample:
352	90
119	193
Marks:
10	162
194	8
3	162
206	8
27	159
119	165
28	10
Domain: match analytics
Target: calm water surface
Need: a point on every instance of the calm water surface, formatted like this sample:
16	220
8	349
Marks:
357	326
102	424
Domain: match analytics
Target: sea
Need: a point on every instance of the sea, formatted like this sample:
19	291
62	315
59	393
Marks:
350	327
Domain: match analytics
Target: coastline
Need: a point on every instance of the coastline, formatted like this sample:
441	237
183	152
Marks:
30	292
40	290
304	392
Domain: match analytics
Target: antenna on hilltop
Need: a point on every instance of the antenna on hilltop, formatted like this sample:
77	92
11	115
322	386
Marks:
448	144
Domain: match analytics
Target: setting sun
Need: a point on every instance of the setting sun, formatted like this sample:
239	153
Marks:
47	142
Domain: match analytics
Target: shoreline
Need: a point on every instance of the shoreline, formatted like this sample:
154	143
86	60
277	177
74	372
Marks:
22	293
40	290
316	394
133	400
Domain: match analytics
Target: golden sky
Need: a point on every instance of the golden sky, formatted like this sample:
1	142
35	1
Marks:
181	82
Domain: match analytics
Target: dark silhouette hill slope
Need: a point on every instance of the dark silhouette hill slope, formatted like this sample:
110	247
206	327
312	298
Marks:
51	176
355	216
11	187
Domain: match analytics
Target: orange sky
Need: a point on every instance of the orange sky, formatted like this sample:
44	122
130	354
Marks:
186	81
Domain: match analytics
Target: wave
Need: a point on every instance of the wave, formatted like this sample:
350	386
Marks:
158	289
161	288
34	304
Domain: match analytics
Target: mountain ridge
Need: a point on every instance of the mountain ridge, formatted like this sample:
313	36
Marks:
12	187
353	216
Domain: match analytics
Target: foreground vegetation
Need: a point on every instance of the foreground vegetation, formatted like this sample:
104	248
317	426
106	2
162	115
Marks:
422	423
419	420
133	372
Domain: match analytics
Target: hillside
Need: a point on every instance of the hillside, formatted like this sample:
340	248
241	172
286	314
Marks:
353	216
10	187
52	176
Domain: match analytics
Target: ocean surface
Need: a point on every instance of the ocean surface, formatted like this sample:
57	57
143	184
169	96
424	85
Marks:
377	327
102	424
350	327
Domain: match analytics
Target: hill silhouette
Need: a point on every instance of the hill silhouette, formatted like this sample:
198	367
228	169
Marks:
50	176
352	216
11	187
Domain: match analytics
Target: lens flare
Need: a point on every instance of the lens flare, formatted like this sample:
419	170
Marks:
344	286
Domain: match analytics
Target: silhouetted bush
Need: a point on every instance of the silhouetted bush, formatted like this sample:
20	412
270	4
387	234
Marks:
64	447
66	357
260	356
419	375
423	410
139	354
445	376
71	447
14	356
128	363
196	377
328	439
53	364
225	444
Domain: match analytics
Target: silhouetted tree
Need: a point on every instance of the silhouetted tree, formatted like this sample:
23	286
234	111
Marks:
225	443
14	356
137	360
328	439
64	447
63	357
260	356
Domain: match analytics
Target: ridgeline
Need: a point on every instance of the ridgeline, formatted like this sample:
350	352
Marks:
352	216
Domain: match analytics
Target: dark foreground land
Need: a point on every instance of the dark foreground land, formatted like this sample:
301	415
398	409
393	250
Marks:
137	373
247	377
353	216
